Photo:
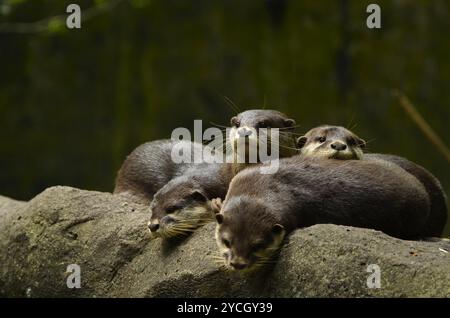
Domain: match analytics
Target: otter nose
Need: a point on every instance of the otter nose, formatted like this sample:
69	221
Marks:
338	146
153	227
238	265
244	132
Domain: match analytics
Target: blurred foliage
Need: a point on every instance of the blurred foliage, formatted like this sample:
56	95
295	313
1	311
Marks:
73	104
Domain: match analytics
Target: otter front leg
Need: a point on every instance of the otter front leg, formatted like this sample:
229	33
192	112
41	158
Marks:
216	205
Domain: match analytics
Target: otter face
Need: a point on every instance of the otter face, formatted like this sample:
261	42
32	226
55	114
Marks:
331	142
178	209
245	128
247	238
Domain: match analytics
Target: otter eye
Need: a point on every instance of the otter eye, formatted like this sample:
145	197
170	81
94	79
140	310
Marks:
321	139
226	243
257	246
263	124
173	208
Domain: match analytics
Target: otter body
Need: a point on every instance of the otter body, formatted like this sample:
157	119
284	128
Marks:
150	166
340	143
260	209
355	193
438	200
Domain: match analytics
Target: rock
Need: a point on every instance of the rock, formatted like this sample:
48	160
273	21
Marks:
8	206
107	237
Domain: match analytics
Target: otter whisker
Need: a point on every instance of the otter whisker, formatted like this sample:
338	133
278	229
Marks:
218	125
290	133
216	257
232	104
216	260
277	144
370	141
184	225
224	146
183	229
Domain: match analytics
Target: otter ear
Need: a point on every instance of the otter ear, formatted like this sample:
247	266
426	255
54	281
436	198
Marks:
219	218
198	195
277	229
216	205
233	121
361	143
301	141
289	122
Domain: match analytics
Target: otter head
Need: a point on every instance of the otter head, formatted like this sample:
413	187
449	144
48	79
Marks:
331	142
246	234
247	127
178	208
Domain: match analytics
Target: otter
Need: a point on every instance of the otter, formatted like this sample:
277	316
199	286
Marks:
184	203
340	143
260	209
331	142
149	176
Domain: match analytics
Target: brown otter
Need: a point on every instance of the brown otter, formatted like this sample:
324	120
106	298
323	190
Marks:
252	129
184	203
260	209
340	143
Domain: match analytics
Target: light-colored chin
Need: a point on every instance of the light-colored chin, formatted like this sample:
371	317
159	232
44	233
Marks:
267	254
222	248
237	141
353	154
186	224
342	155
332	154
318	154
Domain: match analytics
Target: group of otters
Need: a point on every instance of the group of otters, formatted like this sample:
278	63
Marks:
323	177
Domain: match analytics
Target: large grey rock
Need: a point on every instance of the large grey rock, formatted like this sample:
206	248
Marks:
107	237
9	206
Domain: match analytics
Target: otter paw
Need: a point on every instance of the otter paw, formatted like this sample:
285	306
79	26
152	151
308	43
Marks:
216	205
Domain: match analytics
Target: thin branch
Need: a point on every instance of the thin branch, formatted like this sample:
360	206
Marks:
43	25
426	129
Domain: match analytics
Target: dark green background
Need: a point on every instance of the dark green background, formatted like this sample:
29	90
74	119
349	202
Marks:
74	103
